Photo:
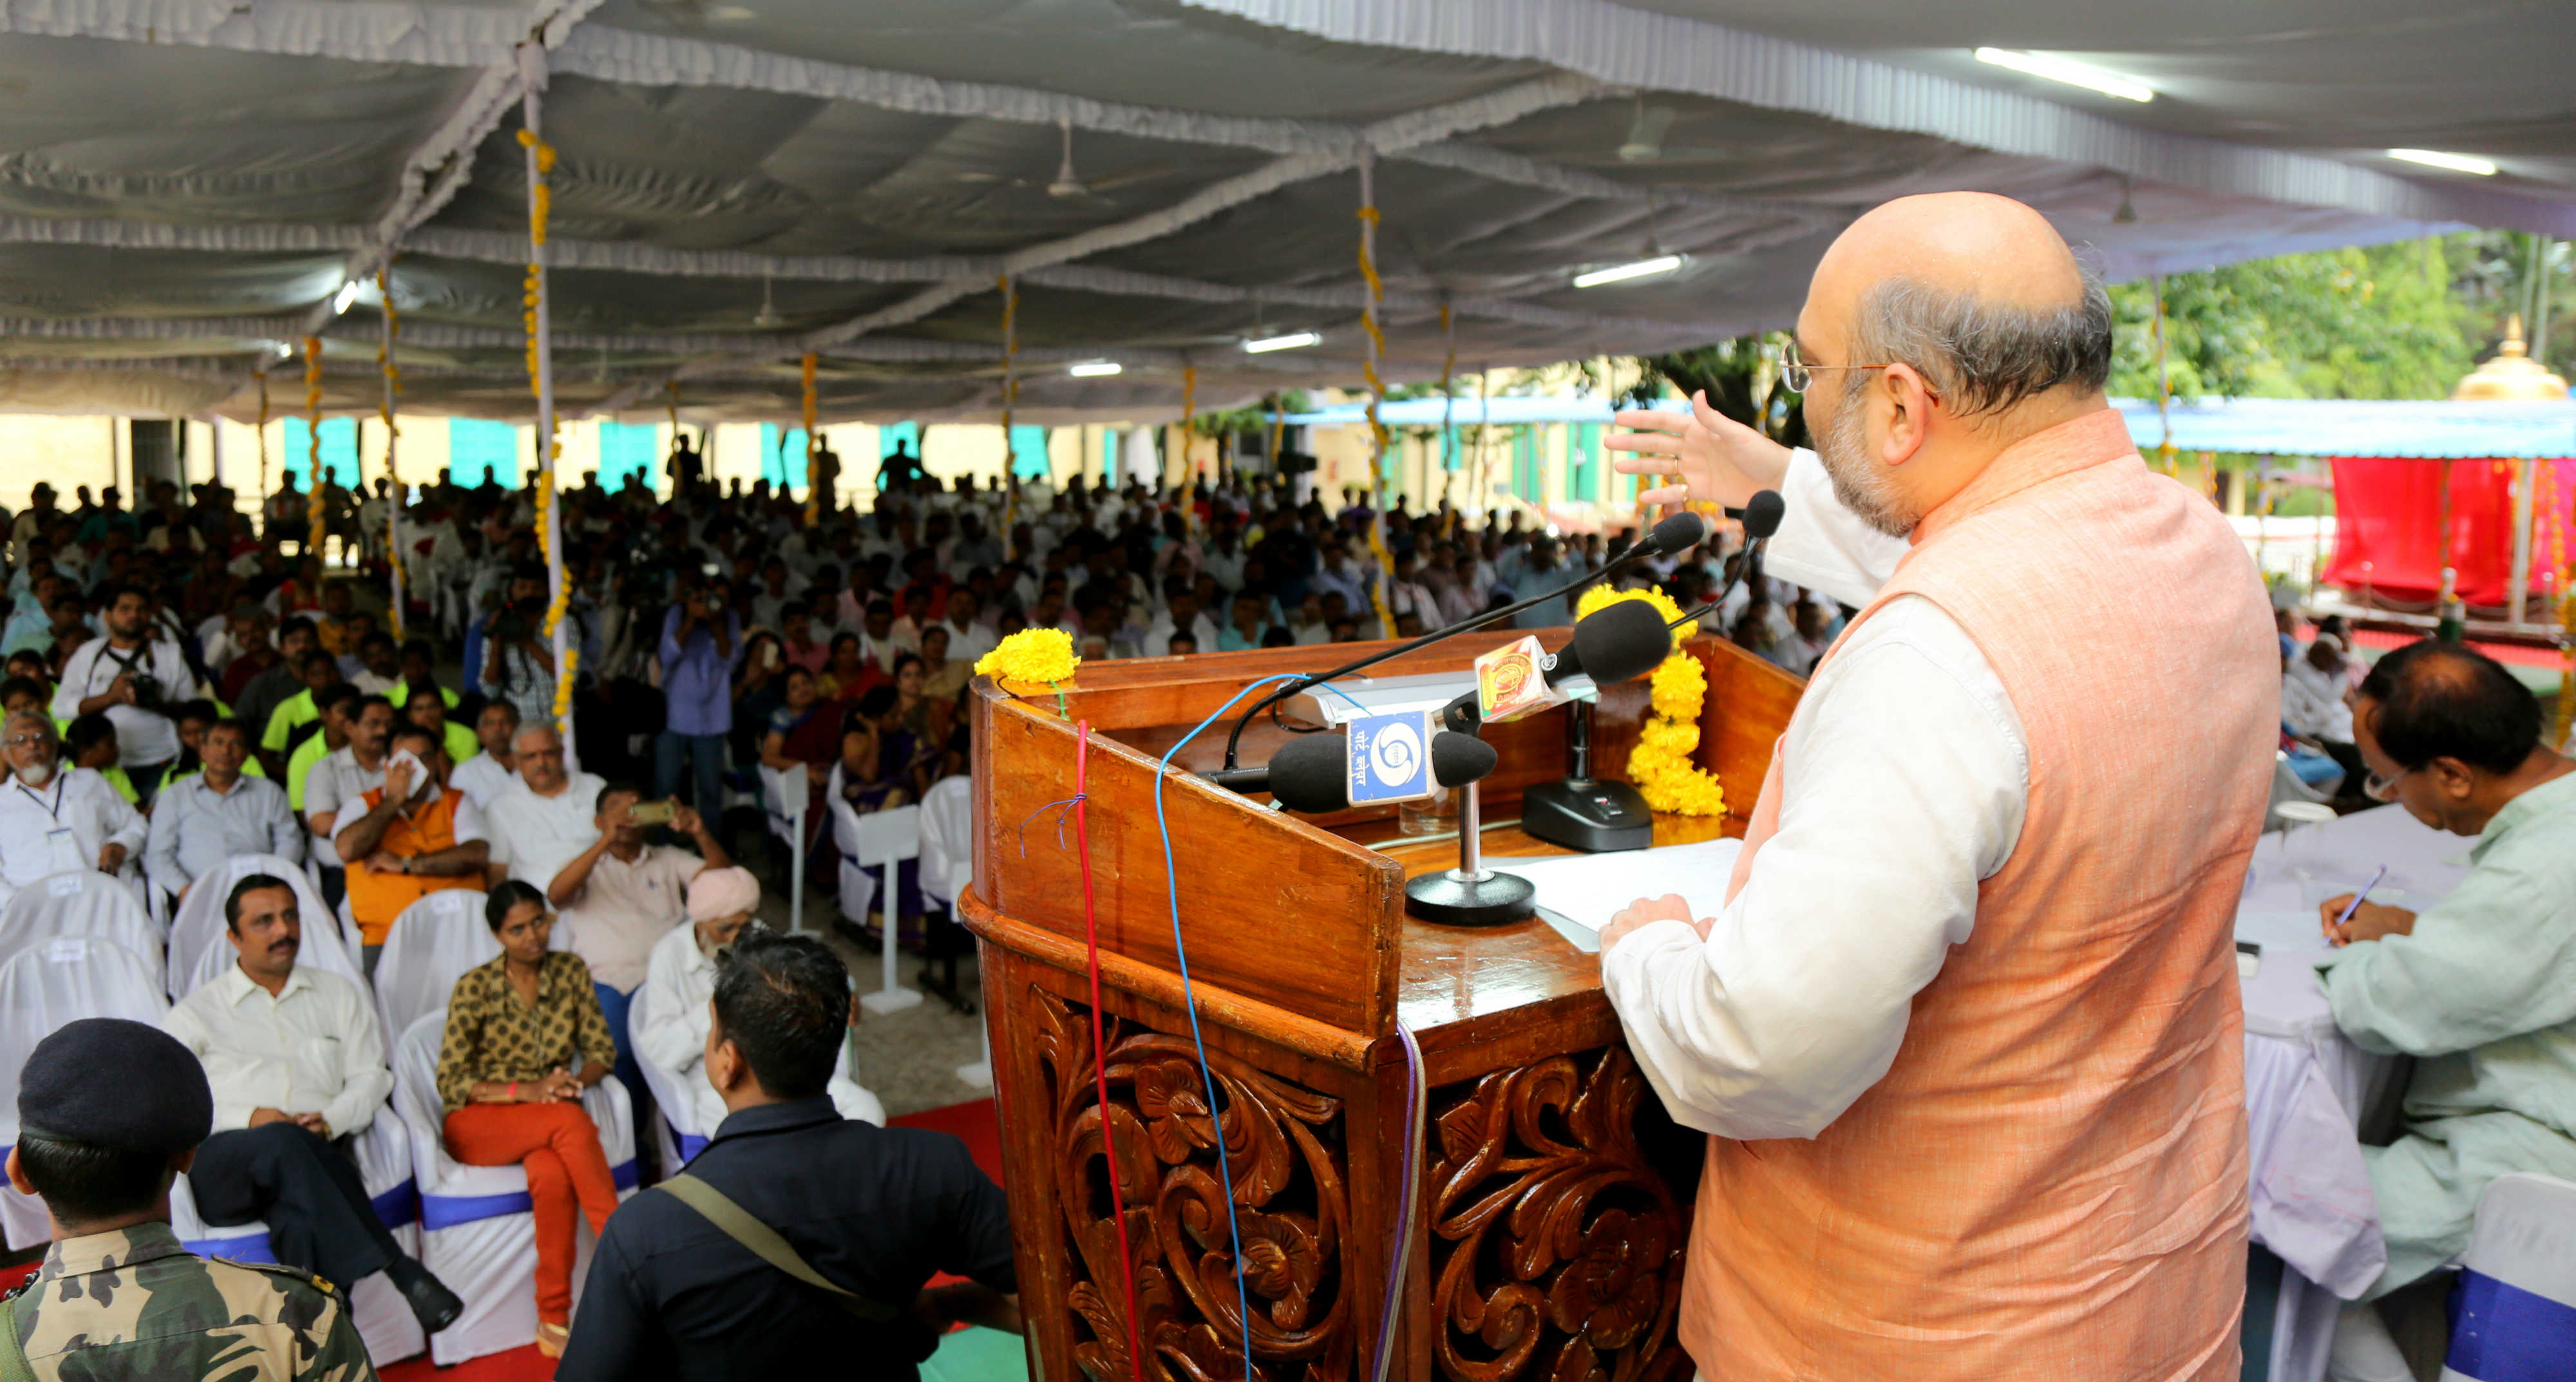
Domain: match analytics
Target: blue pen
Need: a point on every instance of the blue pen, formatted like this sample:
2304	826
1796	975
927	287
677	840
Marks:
2355	905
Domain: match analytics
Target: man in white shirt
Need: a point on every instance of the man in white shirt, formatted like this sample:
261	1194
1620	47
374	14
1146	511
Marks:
54	819
297	1067
548	818
680	982
1181	614
206	818
485	776
134	675
1956	994
969	637
2316	705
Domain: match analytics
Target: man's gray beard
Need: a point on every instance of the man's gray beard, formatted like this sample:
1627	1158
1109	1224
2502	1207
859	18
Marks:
1872	497
37	776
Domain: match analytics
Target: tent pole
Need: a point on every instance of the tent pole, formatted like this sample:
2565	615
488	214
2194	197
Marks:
393	476
2518	583
532	62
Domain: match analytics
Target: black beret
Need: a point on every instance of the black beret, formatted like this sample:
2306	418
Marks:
111	1082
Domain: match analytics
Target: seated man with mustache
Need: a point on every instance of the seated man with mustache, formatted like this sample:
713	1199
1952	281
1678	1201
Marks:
297	1067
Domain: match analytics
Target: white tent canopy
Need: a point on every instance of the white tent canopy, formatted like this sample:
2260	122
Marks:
187	184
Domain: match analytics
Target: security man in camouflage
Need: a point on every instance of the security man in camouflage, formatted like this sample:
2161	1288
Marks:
109	1113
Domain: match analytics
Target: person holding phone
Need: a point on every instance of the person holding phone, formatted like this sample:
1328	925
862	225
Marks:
701	645
622	895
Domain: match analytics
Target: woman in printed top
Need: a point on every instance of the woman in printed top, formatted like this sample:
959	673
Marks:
525	1038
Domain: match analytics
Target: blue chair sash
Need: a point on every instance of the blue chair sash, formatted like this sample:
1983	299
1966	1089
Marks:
448	1211
2503	1333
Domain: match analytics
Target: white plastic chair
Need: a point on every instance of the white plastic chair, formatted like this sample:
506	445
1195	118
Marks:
434	941
879	840
384	1319
199	949
477	1229
430	947
947	869
83	903
680	1123
2517	1292
675	1109
947	841
785	812
53	981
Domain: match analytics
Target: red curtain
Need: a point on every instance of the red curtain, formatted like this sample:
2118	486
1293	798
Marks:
2388	514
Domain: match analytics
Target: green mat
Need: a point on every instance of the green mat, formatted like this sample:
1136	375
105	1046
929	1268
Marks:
977	1355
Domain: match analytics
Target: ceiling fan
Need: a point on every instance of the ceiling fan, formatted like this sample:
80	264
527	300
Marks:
698	14
1644	142
1068	184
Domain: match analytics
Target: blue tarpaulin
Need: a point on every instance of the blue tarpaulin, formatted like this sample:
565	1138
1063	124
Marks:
2262	426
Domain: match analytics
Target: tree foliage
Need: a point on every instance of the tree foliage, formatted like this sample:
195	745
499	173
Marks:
2403	320
1739	380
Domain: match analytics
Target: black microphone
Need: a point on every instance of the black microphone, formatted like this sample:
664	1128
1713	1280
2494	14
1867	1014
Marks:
1621	640
1674	534
1762	514
1310	773
1458	759
1613	643
1679	533
1304	775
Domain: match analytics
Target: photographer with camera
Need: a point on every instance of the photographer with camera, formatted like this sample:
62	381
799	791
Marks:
134	674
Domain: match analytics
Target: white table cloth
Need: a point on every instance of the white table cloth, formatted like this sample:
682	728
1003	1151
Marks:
2307	1087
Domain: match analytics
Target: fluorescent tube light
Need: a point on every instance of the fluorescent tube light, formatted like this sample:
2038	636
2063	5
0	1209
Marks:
1294	340
1643	268
1098	369
2067	70
348	294
2457	163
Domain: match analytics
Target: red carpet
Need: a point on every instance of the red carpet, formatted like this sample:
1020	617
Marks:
973	1123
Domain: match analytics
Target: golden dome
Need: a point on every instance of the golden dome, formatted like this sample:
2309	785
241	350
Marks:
2512	376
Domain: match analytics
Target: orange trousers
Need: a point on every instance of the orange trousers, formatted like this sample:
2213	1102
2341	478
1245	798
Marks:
558	1146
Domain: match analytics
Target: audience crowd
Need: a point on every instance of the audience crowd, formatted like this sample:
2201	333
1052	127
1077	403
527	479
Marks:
181	693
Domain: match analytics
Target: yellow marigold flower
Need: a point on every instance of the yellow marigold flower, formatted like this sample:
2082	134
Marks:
1032	655
1680	686
1601	595
1675	737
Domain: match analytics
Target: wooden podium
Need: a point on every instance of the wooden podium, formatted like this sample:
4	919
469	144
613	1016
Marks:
1554	1197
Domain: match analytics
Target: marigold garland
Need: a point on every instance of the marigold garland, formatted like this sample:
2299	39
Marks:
393	477
1660	765
532	299
1040	657
313	505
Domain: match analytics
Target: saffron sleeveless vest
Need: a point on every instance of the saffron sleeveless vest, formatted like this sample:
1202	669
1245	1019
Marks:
2050	1181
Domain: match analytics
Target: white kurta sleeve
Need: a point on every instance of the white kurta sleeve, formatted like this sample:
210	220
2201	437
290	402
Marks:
669	1039
121	823
1822	545
1906	775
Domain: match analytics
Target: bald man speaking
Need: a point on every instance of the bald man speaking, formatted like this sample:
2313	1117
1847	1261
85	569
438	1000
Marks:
1966	1035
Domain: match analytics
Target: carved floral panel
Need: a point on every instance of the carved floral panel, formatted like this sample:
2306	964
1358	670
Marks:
1556	1247
1285	1151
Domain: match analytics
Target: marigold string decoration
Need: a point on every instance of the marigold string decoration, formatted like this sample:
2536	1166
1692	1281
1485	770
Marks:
1661	765
393	475
313	505
813	450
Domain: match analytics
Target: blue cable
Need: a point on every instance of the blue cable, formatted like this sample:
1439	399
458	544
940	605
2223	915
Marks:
1181	961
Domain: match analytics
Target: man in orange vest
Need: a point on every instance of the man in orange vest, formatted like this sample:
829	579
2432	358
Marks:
1966	1033
412	837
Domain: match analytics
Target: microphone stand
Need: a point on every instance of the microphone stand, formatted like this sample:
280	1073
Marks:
1471	894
